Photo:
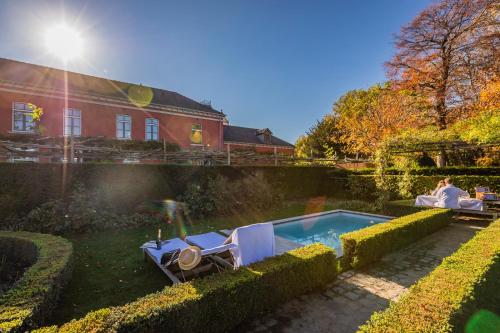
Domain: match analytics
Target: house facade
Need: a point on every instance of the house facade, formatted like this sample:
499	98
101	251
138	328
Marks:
78	105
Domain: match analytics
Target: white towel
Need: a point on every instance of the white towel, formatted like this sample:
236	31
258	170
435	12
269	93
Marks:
471	204
426	200
254	243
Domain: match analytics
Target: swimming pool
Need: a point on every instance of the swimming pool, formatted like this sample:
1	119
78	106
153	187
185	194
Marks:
325	227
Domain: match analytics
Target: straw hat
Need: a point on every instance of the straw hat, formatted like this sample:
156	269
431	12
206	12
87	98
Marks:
189	258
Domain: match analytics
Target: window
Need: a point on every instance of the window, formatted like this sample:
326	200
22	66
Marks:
22	116
123	126
196	135
152	129
72	122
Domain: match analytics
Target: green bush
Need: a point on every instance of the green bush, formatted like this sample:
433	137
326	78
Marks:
367	245
33	297
433	171
219	196
402	207
443	301
81	211
218	302
363	186
24	187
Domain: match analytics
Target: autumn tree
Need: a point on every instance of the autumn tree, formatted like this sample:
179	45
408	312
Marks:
448	52
366	117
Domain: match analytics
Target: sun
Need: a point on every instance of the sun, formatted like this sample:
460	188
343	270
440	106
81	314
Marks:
64	42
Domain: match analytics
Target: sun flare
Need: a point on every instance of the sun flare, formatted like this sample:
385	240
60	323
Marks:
64	42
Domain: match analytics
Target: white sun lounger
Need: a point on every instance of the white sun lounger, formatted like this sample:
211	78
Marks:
150	250
250	243
170	245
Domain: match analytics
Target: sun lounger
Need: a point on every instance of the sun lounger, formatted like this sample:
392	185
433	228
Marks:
251	243
173	247
207	241
150	250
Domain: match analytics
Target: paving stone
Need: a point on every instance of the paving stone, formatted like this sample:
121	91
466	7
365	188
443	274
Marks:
355	295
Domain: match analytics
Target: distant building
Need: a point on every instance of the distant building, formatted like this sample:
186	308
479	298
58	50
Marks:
260	140
82	105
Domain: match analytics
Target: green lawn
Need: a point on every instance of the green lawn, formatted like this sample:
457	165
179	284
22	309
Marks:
109	268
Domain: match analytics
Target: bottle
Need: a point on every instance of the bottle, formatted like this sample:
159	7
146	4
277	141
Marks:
158	240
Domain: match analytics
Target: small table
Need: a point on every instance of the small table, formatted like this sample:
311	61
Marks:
492	205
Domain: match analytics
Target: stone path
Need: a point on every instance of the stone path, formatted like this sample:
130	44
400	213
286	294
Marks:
355	295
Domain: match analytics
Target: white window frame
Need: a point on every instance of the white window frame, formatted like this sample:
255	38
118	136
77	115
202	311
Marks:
25	111
201	132
66	117
149	135
123	122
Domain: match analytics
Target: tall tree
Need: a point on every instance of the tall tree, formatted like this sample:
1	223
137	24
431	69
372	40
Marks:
366	117
321	140
446	52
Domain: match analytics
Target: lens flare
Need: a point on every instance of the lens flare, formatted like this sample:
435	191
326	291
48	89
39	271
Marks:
173	212
139	95
64	42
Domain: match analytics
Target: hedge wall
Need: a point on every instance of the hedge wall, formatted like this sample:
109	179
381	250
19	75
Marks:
33	297
26	186
446	171
367	245
218	302
363	186
444	301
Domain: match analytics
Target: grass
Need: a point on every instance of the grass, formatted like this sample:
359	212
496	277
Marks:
109	268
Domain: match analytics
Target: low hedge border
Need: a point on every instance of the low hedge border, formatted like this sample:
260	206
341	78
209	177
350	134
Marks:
367	245
443	301
432	171
218	302
33	297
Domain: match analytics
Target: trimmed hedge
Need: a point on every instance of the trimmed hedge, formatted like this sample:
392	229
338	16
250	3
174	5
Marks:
443	301
219	302
24	187
363	186
367	245
446	171
33	297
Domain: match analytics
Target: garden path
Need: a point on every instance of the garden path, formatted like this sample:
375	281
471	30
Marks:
350	300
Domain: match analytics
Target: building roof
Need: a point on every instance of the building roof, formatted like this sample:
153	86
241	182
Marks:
250	136
52	80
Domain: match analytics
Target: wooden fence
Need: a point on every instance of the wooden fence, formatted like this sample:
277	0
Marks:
69	151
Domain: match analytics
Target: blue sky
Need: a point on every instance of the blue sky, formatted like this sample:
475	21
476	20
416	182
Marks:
277	64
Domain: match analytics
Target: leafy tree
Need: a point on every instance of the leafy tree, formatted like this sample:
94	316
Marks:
447	53
366	117
321	140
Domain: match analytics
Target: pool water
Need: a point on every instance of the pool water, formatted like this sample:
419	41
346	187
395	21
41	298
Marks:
325	228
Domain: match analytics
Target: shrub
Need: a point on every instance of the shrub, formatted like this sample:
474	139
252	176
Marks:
370	244
220	196
33	297
218	302
432	171
363	186
82	211
400	208
443	301
24	187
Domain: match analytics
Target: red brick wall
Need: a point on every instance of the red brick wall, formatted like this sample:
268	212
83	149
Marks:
100	120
